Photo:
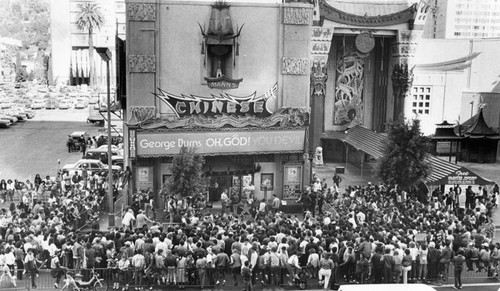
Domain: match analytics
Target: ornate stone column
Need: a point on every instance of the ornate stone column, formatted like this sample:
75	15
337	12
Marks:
321	40
404	57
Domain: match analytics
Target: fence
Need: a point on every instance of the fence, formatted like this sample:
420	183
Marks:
208	277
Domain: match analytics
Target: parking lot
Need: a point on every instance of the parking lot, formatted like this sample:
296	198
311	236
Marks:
35	146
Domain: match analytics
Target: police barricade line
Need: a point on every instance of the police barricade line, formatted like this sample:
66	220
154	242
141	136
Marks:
206	277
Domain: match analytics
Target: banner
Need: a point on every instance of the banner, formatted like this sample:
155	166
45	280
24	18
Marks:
227	142
462	178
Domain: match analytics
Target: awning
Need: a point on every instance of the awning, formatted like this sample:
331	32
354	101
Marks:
365	140
460	176
442	172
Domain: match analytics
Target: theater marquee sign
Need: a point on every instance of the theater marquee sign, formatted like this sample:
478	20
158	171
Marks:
220	143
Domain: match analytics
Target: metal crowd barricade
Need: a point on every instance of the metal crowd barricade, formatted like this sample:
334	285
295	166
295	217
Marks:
207	277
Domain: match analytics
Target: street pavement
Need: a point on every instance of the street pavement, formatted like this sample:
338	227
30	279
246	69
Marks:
35	146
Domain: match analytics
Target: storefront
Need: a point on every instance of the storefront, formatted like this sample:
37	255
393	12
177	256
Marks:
254	161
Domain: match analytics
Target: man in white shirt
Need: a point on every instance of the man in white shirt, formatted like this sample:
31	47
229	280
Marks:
127	219
276	204
224	199
360	216
161	246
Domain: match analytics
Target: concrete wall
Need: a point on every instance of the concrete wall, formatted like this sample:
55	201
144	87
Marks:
451	98
445	100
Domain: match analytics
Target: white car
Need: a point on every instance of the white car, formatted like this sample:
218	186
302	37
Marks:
38	104
65	104
81	103
89	165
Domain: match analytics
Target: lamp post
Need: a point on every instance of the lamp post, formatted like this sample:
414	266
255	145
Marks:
105	54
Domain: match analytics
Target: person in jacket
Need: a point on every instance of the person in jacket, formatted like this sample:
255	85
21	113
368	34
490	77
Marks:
422	258
406	265
388	265
458	261
246	273
484	257
235	265
377	261
444	261
398	267
495	258
325	272
433	257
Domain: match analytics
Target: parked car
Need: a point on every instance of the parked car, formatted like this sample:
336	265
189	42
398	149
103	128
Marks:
9	118
51	103
23	113
20	117
4	123
93	100
89	165
81	103
38	104
6	104
117	160
65	104
100	153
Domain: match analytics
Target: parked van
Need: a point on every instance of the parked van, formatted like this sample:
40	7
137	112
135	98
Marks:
386	287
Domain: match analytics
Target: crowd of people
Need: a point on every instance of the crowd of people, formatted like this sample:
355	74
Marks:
39	214
374	233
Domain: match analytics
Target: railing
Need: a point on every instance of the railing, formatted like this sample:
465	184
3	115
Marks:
207	277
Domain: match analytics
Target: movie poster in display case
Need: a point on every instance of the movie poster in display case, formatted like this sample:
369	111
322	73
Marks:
292	181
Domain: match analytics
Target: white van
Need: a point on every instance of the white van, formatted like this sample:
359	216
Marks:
386	287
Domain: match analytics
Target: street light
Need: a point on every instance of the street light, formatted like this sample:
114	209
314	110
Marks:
105	54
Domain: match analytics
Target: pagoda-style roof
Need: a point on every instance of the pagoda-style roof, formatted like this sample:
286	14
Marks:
479	128
368	12
445	131
457	64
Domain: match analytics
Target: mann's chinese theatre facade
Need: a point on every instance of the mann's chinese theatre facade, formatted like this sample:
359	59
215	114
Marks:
231	80
362	58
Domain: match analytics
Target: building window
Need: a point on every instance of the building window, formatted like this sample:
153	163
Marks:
421	100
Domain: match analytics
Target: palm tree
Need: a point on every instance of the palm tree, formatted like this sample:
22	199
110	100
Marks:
90	18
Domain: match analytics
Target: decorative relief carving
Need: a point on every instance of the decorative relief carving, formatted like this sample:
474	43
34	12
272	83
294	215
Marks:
333	14
283	118
349	86
142	63
402	79
298	16
131	143
295	66
142	12
319	75
143	113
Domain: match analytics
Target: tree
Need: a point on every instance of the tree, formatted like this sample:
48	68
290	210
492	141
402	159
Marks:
90	18
405	150
186	179
28	22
